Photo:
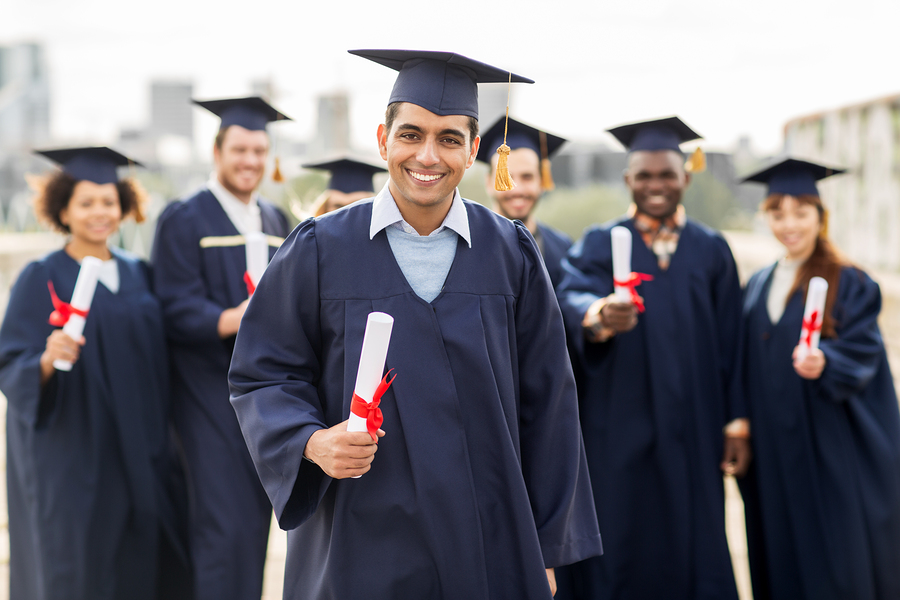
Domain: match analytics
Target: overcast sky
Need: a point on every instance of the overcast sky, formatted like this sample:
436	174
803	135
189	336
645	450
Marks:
728	68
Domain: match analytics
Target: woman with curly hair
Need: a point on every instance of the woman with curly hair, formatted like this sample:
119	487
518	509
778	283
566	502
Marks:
822	494
91	514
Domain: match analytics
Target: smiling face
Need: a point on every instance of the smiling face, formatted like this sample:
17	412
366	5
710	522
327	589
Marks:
427	155
796	225
93	212
241	160
657	181
525	170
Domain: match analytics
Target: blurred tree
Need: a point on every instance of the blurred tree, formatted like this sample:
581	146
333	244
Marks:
572	210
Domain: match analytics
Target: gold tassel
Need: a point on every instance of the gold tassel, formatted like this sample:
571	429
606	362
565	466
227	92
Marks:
276	174
546	174
696	163
503	182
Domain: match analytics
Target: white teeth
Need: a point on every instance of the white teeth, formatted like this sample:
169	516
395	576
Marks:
422	177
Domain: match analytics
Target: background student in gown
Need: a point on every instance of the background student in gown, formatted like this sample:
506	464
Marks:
351	180
479	485
92	510
822	496
654	386
199	263
529	167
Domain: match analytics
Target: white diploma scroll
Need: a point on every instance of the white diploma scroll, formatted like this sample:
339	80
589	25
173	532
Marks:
371	362
257	248
621	259
82	297
813	315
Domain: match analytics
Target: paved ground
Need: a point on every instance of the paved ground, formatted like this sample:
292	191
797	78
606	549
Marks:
751	252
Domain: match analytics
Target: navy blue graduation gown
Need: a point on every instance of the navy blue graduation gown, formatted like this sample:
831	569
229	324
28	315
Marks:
481	480
554	245
823	493
653	402
87	461
198	270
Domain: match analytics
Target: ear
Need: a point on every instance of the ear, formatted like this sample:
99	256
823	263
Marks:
473	151
216	154
382	141
64	216
687	179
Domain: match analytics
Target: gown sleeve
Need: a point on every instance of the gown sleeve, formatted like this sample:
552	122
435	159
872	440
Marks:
553	459
23	339
274	374
853	358
727	303
585	280
190	316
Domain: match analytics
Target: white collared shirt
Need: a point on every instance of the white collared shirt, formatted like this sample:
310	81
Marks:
245	217
386	214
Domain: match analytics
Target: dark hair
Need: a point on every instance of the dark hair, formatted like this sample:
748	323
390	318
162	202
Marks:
390	115
55	192
220	137
825	261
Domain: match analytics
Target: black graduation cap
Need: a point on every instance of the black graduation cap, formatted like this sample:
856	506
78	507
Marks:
444	83
251	113
97	164
792	176
658	134
518	135
348	175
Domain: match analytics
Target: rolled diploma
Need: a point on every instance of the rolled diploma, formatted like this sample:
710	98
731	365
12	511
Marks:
815	302
82	297
371	362
621	259
257	248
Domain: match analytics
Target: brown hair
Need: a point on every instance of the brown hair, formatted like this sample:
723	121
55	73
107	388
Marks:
390	115
825	261
53	193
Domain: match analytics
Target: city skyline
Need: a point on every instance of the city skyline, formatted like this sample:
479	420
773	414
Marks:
729	71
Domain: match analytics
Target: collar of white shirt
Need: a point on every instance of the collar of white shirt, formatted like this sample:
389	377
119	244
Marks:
245	217
385	213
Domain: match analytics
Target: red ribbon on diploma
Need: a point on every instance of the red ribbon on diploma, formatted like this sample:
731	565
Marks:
811	326
62	310
634	280
369	410
249	281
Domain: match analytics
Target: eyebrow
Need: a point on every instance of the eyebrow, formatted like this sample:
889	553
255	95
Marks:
416	128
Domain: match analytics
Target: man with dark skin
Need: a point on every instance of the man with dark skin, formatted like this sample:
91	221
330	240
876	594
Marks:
660	417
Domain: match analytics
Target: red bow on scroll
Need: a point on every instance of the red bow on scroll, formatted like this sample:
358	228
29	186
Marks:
634	280
369	410
810	326
62	310
249	281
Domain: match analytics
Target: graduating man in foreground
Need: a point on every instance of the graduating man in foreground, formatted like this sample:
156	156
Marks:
655	386
480	485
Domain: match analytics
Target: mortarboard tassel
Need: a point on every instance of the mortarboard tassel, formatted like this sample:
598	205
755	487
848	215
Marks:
276	174
546	175
696	163
503	182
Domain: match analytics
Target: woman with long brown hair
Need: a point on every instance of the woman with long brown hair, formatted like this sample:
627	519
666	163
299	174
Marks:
822	496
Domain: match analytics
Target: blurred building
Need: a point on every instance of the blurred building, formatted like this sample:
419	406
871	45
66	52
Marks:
24	125
24	97
332	126
864	203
